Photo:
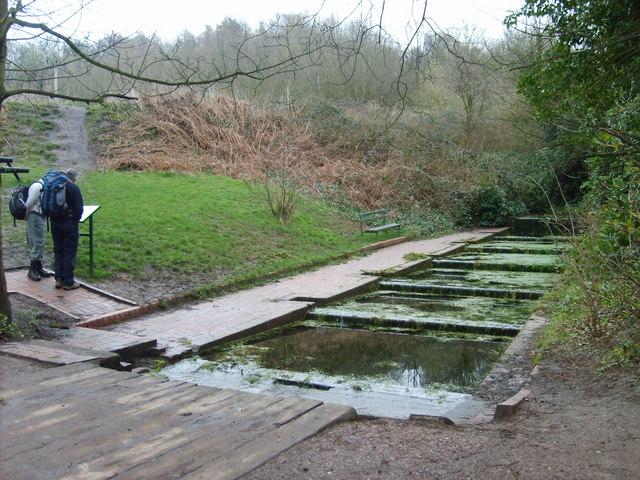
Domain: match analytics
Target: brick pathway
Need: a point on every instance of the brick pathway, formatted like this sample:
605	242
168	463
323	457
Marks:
187	329
83	303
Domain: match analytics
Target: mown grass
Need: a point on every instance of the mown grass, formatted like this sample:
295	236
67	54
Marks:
199	226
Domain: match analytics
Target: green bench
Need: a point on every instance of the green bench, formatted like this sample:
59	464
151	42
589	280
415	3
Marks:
374	222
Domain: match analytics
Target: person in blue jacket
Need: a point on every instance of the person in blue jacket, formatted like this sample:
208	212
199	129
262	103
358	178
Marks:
65	234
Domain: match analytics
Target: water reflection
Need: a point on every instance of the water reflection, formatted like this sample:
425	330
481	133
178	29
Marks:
405	360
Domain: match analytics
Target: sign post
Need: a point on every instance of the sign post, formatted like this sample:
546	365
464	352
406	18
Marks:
87	214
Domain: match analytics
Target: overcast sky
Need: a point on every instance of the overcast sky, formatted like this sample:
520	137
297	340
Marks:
168	18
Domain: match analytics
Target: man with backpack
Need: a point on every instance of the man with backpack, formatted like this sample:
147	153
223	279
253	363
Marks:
36	231
64	229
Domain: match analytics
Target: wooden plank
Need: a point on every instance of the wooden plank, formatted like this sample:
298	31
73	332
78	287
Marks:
88	422
509	406
46	420
79	419
253	454
148	442
65	446
216	445
382	227
58	377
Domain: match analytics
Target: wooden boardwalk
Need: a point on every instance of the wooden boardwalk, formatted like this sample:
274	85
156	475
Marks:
81	421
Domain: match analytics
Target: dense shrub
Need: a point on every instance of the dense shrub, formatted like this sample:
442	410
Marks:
425	222
486	206
343	152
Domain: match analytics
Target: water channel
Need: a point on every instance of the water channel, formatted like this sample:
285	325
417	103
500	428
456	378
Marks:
420	344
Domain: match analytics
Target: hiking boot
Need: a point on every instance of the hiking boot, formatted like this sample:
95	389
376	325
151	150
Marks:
43	273
33	272
58	283
71	287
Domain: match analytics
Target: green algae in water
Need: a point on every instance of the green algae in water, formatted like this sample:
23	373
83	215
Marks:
541	281
537	248
400	350
500	261
415	307
340	355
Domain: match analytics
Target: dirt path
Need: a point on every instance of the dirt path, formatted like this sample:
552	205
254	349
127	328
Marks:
71	136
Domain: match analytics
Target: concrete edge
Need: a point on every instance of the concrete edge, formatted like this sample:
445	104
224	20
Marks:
385	243
361	289
492	411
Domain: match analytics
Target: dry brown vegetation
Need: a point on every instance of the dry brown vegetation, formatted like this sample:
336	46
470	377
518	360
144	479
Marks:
238	139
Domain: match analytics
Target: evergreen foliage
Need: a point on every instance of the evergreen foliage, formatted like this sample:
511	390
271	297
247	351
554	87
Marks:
584	84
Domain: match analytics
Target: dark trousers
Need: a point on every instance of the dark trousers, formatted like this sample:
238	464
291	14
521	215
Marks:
65	246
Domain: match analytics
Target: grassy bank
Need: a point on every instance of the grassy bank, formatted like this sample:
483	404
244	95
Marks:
200	226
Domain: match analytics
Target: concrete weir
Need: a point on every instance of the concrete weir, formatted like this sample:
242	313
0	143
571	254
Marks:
484	306
79	420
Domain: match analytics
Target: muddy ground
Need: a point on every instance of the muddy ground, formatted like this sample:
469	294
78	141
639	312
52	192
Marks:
576	424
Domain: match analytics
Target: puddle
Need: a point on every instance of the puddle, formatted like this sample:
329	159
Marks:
421	344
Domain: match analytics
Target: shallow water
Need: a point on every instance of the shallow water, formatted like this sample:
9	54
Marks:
531	281
423	311
522	262
520	247
342	355
383	374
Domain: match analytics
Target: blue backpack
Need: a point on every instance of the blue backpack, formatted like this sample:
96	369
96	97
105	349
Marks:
53	197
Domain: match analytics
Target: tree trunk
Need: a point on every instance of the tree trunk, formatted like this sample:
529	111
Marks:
5	306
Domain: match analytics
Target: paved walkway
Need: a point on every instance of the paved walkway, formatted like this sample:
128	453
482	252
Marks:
185	330
182	331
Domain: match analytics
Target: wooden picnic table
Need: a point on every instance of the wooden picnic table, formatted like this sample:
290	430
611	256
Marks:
11	169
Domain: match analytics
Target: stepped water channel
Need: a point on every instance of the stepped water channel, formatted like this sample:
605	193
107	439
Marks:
420	344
